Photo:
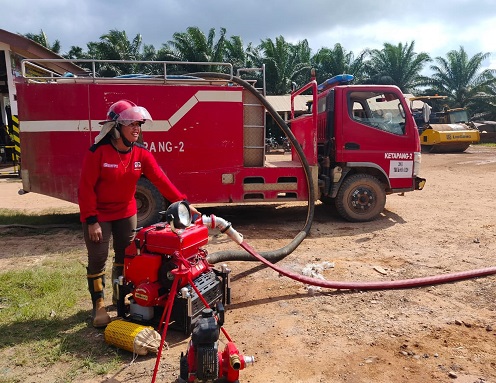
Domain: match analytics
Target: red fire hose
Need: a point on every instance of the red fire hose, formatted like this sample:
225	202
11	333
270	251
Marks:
377	285
226	228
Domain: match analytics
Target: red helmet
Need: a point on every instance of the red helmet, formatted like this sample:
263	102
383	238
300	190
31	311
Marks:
125	112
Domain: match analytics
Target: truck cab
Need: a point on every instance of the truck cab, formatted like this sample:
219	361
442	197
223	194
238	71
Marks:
366	146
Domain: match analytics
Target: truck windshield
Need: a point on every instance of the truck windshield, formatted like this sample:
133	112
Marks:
382	111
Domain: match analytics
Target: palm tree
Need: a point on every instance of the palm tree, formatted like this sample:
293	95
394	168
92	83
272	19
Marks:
149	54
42	39
235	53
462	79
285	62
76	53
115	46
331	62
398	65
194	46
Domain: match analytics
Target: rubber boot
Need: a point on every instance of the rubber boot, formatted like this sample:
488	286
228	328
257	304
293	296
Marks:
96	286
117	271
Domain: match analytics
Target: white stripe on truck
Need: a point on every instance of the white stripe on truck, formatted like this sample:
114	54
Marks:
158	125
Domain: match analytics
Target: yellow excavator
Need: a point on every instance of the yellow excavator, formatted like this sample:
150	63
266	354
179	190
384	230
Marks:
444	131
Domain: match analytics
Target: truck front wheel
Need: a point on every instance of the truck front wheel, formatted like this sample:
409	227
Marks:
149	202
361	198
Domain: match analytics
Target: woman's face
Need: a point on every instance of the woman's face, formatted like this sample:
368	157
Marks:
131	131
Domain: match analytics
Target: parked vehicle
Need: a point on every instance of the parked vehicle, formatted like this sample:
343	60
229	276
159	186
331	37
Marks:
444	130
209	136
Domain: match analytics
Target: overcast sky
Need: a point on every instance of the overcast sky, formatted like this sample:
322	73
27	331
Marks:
437	26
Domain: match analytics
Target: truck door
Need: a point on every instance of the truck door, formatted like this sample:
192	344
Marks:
374	130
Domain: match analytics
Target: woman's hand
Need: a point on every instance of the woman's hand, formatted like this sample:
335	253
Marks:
95	232
195	214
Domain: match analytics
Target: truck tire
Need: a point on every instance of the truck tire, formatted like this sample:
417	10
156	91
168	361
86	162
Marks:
149	202
361	198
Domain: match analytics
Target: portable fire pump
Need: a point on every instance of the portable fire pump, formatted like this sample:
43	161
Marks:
203	361
167	276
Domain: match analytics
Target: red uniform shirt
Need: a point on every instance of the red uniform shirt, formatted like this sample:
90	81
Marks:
108	182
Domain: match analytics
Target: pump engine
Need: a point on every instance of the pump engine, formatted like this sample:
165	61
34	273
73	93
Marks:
149	265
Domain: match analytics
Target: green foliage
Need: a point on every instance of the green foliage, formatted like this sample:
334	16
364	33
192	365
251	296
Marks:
459	77
43	324
397	65
331	62
464	82
284	62
194	46
484	104
14	217
115	45
42	39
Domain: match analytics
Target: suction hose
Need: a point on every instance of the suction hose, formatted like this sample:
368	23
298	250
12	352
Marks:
226	228
278	254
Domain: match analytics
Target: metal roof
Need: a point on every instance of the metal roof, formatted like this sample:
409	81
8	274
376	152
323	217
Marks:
32	50
283	103
414	104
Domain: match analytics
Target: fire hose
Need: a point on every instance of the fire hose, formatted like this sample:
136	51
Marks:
269	258
278	254
226	227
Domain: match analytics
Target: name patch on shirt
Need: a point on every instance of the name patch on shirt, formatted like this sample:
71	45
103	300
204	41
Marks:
107	165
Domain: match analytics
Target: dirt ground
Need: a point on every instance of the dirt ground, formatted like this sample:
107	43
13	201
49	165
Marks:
437	333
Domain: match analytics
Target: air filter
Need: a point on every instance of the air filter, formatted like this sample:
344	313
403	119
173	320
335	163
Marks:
132	337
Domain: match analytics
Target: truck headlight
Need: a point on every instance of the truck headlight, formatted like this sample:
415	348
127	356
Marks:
417	159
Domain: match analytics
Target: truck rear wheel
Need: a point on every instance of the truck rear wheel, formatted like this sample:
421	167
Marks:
149	202
361	198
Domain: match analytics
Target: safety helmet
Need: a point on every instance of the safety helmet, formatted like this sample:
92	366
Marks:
125	112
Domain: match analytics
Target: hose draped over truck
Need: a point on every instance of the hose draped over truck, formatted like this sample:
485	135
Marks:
278	254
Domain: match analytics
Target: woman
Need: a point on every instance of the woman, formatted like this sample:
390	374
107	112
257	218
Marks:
111	170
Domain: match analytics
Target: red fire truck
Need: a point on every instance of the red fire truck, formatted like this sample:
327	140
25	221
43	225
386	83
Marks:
360	141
